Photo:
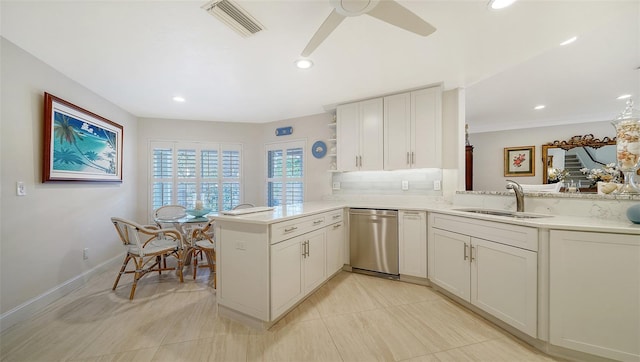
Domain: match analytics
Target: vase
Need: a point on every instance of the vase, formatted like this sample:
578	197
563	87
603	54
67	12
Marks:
627	127
633	213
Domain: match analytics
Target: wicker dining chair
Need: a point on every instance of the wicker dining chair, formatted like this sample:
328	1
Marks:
147	246
168	213
202	241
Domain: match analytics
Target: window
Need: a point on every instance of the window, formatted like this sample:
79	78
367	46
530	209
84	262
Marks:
285	173
183	172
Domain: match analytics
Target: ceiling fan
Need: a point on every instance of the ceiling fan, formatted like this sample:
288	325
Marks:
388	11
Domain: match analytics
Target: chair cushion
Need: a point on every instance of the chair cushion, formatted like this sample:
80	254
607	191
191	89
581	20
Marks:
155	246
205	244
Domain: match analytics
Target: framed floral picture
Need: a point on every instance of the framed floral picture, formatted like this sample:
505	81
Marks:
520	161
79	145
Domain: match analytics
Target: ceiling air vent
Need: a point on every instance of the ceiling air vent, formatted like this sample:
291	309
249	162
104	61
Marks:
234	16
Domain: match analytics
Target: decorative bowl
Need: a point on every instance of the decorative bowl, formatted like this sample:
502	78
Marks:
198	212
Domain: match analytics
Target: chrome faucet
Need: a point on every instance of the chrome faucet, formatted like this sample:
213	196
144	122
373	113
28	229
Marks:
512	185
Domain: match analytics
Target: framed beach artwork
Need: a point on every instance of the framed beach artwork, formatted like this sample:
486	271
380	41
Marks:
79	145
519	161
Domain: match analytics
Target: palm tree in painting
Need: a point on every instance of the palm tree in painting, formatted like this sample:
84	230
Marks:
65	131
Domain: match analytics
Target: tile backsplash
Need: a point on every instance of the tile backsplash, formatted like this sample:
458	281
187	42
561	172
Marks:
417	182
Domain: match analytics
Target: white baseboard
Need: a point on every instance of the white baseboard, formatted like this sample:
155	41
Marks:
29	308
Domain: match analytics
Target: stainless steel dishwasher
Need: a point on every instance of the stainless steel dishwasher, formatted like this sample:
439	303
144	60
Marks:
373	236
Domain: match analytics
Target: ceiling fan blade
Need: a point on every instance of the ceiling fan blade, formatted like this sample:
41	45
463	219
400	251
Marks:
393	13
330	23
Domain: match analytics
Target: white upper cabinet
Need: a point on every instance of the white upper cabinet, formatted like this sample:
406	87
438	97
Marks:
360	135
412	129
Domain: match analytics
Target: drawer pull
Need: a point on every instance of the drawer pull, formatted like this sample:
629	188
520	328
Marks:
318	222
336	216
337	226
471	254
465	251
288	230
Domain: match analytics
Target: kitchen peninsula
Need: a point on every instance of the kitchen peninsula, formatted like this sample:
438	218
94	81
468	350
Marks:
268	262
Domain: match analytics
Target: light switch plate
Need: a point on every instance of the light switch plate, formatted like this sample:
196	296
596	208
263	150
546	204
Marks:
336	186
405	185
436	185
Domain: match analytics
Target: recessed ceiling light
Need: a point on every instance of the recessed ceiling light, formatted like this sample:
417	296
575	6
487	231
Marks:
500	4
304	63
538	107
569	41
178	99
624	96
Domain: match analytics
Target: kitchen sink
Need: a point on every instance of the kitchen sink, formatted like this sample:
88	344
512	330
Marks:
514	214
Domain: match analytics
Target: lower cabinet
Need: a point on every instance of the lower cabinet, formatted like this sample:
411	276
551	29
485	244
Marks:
498	278
297	267
412	243
335	247
595	293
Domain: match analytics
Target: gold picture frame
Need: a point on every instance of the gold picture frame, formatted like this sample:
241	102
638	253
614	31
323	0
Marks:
519	161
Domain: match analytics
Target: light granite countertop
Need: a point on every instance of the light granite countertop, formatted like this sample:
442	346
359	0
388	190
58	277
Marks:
560	222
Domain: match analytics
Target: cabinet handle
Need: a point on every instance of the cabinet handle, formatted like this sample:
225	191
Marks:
336	216
337	226
318	222
465	251
288	230
413	158
356	161
307	248
408	162
472	247
304	249
359	161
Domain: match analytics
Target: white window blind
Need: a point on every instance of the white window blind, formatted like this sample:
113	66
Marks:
285	173
184	172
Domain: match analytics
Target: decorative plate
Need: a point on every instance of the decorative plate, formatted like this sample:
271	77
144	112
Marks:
319	149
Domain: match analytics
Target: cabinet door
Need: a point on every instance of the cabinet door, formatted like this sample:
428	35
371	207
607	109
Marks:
449	262
335	247
426	123
397	131
504	283
314	262
594	293
371	136
412	234
348	134
286	275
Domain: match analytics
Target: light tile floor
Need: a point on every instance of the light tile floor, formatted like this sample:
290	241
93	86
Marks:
353	317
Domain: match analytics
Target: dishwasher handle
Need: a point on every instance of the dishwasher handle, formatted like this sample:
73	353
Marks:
374	212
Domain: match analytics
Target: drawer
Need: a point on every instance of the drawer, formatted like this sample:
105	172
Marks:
290	228
334	216
519	236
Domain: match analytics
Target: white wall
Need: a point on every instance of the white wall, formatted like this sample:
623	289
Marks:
249	135
488	151
253	137
310	128
42	234
453	142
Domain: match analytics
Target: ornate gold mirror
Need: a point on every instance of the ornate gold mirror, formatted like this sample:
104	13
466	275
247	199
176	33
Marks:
574	154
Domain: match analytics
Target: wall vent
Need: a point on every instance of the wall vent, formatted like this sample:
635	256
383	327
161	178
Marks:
234	16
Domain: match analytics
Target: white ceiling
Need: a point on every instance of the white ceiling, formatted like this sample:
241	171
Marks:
139	54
